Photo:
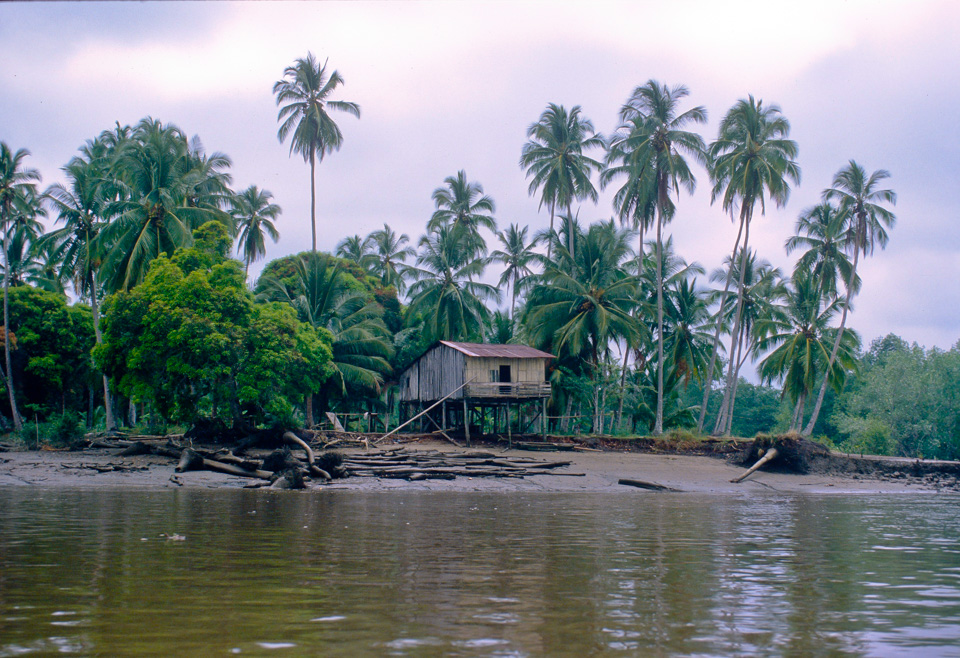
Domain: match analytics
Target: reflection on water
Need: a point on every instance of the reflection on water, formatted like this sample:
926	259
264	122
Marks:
350	574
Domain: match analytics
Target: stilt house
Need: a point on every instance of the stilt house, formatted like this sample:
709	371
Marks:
472	378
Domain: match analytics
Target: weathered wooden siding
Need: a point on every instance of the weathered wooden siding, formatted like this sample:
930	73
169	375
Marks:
521	370
433	375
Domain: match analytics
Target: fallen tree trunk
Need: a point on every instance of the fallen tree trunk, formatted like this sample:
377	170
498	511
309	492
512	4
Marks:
191	460
770	455
652	486
292	438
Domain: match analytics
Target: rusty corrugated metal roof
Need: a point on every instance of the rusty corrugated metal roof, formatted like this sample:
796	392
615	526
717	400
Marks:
482	350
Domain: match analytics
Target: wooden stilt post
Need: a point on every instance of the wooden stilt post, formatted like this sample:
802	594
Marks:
509	434
543	418
466	422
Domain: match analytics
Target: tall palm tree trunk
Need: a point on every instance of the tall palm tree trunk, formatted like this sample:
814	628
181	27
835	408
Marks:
107	403
550	241
570	245
795	419
741	357
313	198
6	330
658	423
623	385
728	388
708	380
808	430
640	250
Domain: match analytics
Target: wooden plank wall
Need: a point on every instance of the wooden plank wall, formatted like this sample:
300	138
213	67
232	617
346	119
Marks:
434	375
521	370
442	369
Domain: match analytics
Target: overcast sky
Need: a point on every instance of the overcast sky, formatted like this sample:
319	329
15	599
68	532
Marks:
445	86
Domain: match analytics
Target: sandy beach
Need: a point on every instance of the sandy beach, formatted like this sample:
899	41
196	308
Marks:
591	472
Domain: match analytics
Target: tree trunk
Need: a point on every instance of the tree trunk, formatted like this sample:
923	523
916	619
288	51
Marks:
111	424
570	245
565	421
658	423
741	357
310	419
728	388
623	385
17	424
708	379
313	199
808	430
552	234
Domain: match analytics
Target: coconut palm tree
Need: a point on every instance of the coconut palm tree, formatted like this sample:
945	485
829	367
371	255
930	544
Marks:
517	256
81	206
19	203
762	288
799	336
674	269
821	233
650	146
445	294
462	206
390	253
584	301
555	162
687	342
860	196
304	97
361	342
356	249
164	191
752	159
254	213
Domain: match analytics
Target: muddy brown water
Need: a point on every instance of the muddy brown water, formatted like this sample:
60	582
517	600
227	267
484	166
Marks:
224	572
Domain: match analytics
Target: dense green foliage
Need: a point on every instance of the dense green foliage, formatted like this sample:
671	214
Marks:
906	402
51	350
192	342
644	341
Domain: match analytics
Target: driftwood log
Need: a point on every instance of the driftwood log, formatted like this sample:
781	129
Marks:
768	456
652	486
433	464
284	468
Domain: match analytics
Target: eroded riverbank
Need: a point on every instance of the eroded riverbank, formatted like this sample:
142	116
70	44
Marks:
590	471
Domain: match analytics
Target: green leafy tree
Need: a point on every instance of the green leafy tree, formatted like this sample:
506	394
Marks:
860	197
905	402
53	343
751	159
555	161
304	99
191	341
